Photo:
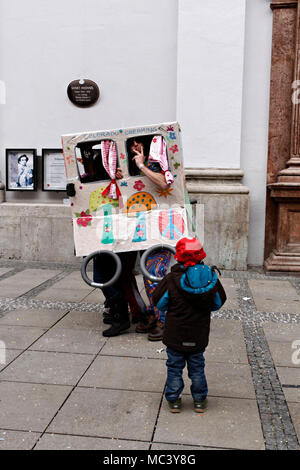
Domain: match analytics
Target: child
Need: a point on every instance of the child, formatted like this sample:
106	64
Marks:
188	294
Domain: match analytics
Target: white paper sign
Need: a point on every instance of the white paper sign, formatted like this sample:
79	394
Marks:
54	177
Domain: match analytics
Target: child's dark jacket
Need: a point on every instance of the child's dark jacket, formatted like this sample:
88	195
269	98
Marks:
188	295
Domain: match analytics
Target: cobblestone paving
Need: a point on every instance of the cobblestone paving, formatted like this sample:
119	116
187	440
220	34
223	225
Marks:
278	429
277	426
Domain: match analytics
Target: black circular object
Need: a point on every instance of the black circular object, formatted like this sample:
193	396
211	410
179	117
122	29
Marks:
83	93
115	277
145	256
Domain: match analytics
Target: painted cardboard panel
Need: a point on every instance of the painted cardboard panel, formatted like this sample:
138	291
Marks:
143	215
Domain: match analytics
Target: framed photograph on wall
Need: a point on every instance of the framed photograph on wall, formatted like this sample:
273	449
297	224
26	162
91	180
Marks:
54	173
20	169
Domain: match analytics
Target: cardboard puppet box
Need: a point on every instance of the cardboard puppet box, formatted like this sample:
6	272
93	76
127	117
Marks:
131	213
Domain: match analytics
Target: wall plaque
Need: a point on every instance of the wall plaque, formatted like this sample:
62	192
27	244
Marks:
83	93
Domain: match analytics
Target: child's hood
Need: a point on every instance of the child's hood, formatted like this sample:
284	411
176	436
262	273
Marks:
198	279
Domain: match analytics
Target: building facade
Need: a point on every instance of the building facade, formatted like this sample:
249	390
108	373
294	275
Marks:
208	64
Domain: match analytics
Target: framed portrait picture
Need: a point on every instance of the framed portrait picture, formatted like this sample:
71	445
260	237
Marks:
54	172
21	169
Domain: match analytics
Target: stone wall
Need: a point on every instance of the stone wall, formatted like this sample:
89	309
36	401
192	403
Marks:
43	232
36	232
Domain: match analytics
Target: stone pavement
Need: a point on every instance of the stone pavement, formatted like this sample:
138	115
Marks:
64	386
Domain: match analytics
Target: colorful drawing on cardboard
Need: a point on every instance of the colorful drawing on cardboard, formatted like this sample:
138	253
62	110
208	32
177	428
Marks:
96	202
140	216
171	224
137	205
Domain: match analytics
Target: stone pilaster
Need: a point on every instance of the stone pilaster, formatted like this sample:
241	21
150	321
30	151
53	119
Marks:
223	214
285	191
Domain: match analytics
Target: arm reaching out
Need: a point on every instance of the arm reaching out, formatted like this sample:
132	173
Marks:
156	178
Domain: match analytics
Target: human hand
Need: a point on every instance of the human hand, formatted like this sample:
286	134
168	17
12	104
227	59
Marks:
139	157
119	174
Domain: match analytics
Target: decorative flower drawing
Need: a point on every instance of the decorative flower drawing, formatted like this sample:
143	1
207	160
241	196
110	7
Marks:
138	185
165	192
139	231
172	135
170	128
124	183
122	156
107	228
174	148
154	139
84	218
176	165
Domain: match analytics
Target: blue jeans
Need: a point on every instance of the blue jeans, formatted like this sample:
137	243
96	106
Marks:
195	364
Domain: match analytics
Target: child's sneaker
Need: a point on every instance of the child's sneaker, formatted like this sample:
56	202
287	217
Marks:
175	406
200	406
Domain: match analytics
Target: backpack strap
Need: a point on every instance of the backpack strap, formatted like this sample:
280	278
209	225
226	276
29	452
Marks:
215	268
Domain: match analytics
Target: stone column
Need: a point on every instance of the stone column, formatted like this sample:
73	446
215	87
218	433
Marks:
285	191
223	214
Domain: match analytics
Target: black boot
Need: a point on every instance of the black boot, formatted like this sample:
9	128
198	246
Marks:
118	317
117	327
107	314
108	318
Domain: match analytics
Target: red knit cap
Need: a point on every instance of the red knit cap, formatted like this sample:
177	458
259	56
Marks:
189	251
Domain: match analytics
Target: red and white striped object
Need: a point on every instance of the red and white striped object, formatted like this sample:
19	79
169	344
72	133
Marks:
109	160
